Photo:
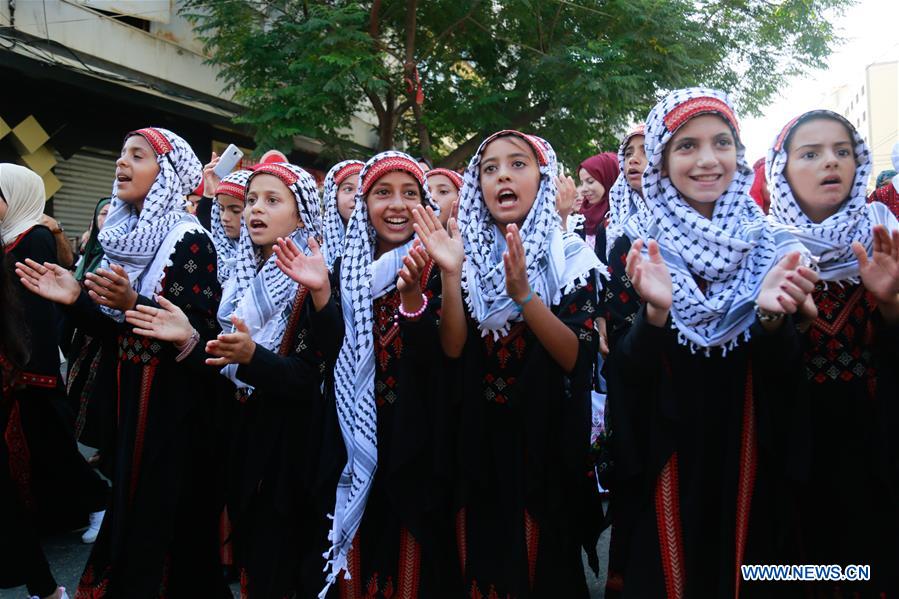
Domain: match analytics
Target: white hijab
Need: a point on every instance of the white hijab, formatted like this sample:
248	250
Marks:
23	190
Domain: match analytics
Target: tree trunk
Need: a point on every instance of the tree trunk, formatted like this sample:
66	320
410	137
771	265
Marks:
424	137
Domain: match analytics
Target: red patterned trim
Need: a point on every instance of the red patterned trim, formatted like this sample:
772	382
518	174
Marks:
746	482
16	241
453	176
229	188
145	385
671	542
350	587
244	584
682	113
462	539
409	567
532	542
86	389
43	381
90	587
353	168
846	311
535	143
779	142
287	176
388	165
290	331
161	144
19	456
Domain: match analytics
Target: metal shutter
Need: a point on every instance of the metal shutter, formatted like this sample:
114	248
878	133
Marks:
86	177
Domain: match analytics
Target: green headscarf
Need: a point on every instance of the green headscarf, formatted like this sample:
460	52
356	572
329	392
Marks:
93	251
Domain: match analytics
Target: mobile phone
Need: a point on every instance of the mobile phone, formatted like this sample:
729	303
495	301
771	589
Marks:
229	159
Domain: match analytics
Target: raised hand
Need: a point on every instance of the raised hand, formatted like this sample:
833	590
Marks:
650	276
232	348
48	280
517	285
567	191
444	246
787	286
166	323
880	272
210	179
309	271
111	288
409	281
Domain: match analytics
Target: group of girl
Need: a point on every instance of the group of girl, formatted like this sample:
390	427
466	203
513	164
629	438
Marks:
398	384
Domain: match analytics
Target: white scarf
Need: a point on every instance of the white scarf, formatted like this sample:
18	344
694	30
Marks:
263	297
234	185
732	252
133	239
362	280
830	242
334	228
628	213
23	190
557	262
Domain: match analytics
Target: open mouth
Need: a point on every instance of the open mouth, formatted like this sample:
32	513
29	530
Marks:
831	181
706	179
506	197
257	225
397	222
632	173
122	178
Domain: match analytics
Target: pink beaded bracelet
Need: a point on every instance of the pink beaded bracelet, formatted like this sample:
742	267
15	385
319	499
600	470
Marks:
417	313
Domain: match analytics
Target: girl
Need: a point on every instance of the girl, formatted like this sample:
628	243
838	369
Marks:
597	175
226	221
444	186
390	533
526	378
818	169
283	338
710	382
338	201
160	533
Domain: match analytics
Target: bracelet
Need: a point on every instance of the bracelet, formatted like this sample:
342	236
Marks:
766	316
417	313
188	346
520	307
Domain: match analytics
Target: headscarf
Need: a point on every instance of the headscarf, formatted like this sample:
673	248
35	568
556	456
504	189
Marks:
885	177
334	227
133	239
830	242
604	168
732	252
557	262
453	176
760	186
625	203
23	190
93	251
259	293
234	185
894	157
362	280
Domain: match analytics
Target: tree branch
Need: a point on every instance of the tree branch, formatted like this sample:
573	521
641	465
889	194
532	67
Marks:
425	54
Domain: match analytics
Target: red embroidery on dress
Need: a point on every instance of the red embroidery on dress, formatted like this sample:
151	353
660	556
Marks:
91	588
532	541
30	379
410	566
290	331
671	545
746	481
462	539
244	584
143	406
408	573
19	456
681	113
349	588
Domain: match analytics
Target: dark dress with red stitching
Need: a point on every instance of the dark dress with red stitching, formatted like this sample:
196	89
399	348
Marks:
850	509
718	445
275	495
523	445
160	534
403	549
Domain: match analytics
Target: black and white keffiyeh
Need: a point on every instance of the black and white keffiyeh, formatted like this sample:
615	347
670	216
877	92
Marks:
557	261
234	185
142	241
259	293
732	252
830	242
628	213
362	279
334	228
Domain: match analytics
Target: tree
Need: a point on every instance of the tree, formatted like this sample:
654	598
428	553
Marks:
573	71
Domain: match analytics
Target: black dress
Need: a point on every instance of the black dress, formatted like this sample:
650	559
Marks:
523	494
160	534
403	548
275	506
850	508
717	440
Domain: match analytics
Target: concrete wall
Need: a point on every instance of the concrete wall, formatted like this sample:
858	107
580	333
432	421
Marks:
883	106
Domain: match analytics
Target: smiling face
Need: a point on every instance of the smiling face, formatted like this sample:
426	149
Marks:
346	197
135	171
820	167
591	189
444	193
635	162
701	160
510	178
390	202
230	210
270	212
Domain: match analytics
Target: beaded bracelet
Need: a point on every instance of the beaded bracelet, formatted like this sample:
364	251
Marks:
189	345
417	313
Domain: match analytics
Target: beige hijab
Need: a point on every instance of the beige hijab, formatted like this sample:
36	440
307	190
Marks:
23	191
